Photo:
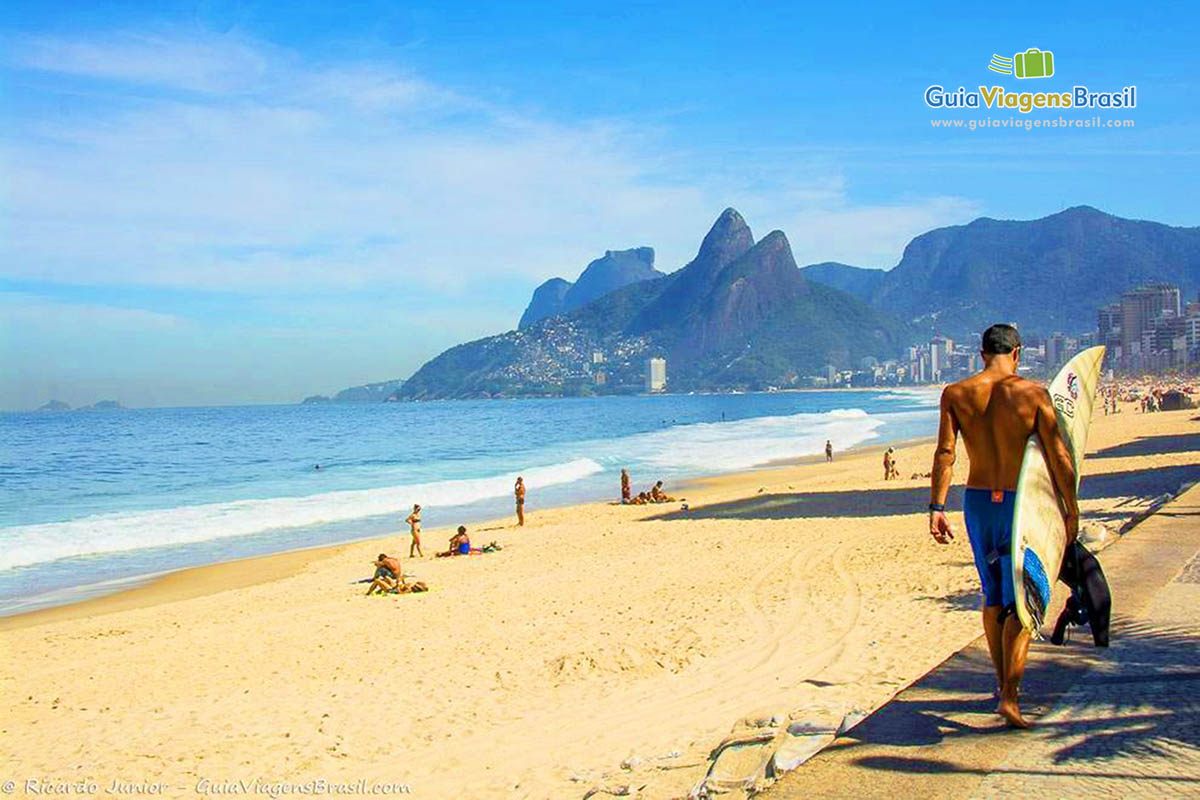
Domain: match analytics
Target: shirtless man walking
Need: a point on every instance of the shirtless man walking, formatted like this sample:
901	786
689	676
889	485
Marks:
996	411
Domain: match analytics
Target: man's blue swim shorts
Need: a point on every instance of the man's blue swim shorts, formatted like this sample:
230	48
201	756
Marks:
989	527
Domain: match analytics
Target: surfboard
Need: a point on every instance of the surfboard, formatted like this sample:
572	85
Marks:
1039	537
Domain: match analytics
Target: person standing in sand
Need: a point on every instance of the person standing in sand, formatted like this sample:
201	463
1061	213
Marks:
519	493
888	464
414	527
626	487
828	451
996	411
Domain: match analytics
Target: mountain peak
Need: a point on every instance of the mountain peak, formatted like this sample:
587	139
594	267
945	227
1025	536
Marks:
547	301
614	270
776	239
726	241
728	238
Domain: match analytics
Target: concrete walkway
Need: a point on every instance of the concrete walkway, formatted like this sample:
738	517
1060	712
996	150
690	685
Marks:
1122	722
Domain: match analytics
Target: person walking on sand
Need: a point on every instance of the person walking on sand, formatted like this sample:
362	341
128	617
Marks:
828	451
519	493
414	527
626	487
996	411
887	464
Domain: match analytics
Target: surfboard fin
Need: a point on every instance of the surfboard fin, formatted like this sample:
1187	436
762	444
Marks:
1037	589
1035	604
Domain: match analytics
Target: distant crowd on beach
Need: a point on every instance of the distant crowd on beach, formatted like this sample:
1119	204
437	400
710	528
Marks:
389	575
1149	394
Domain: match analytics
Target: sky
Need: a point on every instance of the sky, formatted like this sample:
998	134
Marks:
217	203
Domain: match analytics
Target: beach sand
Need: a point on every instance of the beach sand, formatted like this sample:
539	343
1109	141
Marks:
600	634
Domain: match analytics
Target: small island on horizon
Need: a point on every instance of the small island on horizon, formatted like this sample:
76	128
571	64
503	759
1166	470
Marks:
100	405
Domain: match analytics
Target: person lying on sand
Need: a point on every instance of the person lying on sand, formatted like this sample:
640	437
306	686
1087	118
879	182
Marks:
642	499
388	575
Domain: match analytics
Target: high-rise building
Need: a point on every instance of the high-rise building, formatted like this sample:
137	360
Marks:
1141	306
1192	327
656	375
1056	350
1108	324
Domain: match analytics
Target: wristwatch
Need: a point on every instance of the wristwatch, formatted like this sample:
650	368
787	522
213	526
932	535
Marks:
937	507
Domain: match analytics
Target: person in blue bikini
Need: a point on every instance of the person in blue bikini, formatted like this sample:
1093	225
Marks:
996	411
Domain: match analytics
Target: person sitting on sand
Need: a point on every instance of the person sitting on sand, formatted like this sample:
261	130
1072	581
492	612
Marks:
389	577
642	499
657	495
460	544
414	527
626	487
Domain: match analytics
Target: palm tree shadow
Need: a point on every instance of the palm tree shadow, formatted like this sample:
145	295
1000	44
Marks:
1141	699
966	600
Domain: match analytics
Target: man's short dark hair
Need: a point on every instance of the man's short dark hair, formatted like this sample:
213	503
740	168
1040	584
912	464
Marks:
1001	339
462	528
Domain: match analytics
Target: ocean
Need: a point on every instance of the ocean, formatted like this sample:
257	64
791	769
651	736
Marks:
93	501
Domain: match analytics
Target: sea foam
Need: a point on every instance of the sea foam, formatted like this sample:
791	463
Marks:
116	532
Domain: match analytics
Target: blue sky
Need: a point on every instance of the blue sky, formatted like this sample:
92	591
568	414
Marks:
225	202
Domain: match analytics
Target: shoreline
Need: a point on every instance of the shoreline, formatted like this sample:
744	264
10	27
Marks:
800	592
141	591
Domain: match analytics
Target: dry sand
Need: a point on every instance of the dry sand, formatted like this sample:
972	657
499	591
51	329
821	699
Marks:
600	634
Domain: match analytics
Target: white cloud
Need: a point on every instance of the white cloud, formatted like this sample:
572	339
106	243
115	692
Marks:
198	161
198	62
22	310
312	177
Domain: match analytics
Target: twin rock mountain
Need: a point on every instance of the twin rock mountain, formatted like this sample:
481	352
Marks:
742	314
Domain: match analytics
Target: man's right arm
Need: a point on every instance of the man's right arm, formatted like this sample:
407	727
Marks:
943	470
1058	458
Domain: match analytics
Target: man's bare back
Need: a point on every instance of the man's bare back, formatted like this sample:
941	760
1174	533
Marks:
996	411
995	414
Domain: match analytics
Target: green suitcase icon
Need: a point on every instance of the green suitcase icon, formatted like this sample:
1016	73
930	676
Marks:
1034	63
